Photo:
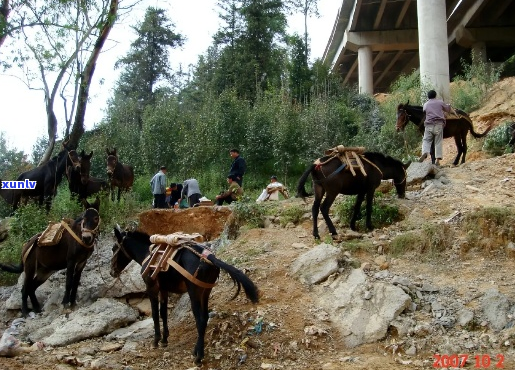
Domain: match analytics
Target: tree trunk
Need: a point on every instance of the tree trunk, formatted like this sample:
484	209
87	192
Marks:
52	131
87	75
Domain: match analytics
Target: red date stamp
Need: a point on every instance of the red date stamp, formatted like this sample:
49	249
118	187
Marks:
459	360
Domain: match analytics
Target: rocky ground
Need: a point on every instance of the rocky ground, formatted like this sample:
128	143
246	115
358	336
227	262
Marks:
464	297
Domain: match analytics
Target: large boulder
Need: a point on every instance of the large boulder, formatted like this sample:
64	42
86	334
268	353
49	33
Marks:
363	310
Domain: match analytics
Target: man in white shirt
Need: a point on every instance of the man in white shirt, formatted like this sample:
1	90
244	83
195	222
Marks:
271	192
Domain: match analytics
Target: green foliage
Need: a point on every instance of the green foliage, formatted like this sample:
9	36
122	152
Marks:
496	142
12	161
470	89
248	213
291	214
383	212
508	67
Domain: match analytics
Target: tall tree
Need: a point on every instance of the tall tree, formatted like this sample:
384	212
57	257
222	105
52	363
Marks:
307	8
63	38
147	63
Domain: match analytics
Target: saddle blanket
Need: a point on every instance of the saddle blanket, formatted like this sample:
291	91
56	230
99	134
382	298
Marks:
52	235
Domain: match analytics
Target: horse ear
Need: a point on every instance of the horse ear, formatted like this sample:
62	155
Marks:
82	153
118	233
90	154
107	151
114	151
96	205
407	103
86	204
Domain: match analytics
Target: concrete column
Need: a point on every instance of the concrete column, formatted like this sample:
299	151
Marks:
433	48
366	78
479	52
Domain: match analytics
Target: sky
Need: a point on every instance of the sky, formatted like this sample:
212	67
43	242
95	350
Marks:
23	117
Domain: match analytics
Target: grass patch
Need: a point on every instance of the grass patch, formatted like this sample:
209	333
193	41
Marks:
431	241
489	228
292	214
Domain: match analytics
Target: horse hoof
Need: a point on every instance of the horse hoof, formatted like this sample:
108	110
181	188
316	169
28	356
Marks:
163	344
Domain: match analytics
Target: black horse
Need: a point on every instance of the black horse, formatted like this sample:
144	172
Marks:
78	170
70	253
330	178
198	262
456	128
392	169
47	176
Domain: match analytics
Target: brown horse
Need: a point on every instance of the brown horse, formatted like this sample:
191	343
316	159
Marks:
331	178
456	128
70	253
200	270
120	175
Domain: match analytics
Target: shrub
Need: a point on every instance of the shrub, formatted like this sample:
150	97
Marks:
489	228
496	141
431	241
292	214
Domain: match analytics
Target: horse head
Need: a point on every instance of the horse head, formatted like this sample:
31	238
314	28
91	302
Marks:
90	221
85	166
120	258
402	117
112	161
73	160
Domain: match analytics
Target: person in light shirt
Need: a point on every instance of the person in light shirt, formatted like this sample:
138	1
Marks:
272	190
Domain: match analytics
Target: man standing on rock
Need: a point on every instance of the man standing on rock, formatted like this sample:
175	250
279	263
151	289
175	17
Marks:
433	126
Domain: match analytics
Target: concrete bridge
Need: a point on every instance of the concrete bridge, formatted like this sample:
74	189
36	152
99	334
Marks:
374	41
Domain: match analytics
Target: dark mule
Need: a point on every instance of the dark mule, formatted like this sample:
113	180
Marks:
331	179
96	185
39	262
204	266
120	175
47	176
456	128
78	169
392	169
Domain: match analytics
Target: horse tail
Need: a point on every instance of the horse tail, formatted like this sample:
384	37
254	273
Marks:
239	279
301	192
15	269
475	134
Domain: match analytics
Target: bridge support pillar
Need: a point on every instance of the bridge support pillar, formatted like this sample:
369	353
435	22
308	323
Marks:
365	72
479	52
433	48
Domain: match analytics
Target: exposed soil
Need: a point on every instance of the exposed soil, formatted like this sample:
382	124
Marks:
287	329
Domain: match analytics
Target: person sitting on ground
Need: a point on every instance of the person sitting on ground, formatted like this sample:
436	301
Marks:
234	192
272	190
191	191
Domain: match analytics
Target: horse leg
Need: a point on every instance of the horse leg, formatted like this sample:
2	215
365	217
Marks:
163	311
70	268
464	147
199	305
319	194
459	149
153	296
356	211
433	157
75	282
119	193
370	203
29	288
326	205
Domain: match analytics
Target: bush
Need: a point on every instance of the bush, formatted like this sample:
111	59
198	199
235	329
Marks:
383	213
489	228
292	214
496	141
431	241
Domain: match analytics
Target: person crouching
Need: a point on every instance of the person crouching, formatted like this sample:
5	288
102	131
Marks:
234	192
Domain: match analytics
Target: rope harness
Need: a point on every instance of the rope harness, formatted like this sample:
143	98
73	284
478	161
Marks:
351	157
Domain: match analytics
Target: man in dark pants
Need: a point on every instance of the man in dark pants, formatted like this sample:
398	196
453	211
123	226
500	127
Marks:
175	195
158	185
238	166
